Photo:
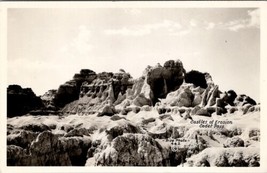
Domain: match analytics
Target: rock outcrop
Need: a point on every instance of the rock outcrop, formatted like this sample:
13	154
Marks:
234	142
48	99
226	157
243	99
133	150
21	101
182	97
70	91
163	80
120	89
231	97
197	78
109	93
101	94
48	149
167	117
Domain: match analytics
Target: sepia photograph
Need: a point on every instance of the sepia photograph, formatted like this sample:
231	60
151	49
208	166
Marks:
133	86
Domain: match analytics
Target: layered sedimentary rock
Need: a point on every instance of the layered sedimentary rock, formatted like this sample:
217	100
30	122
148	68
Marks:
109	93
110	119
101	94
120	90
70	91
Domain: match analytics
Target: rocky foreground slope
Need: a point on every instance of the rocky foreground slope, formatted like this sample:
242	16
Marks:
167	117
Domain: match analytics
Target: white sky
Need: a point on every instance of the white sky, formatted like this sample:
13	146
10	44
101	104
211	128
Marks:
47	46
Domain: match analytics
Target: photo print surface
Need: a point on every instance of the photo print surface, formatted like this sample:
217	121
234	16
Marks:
133	87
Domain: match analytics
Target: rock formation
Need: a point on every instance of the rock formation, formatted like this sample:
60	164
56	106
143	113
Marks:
239	157
133	150
234	142
111	119
21	101
163	80
48	98
197	78
70	91
109	93
243	99
47	149
101	94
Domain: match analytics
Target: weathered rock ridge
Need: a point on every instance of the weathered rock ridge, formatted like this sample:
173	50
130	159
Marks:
111	119
109	93
165	87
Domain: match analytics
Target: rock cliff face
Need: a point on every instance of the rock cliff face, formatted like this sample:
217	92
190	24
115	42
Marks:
169	85
21	101
101	94
70	91
163	80
121	89
109	93
111	119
